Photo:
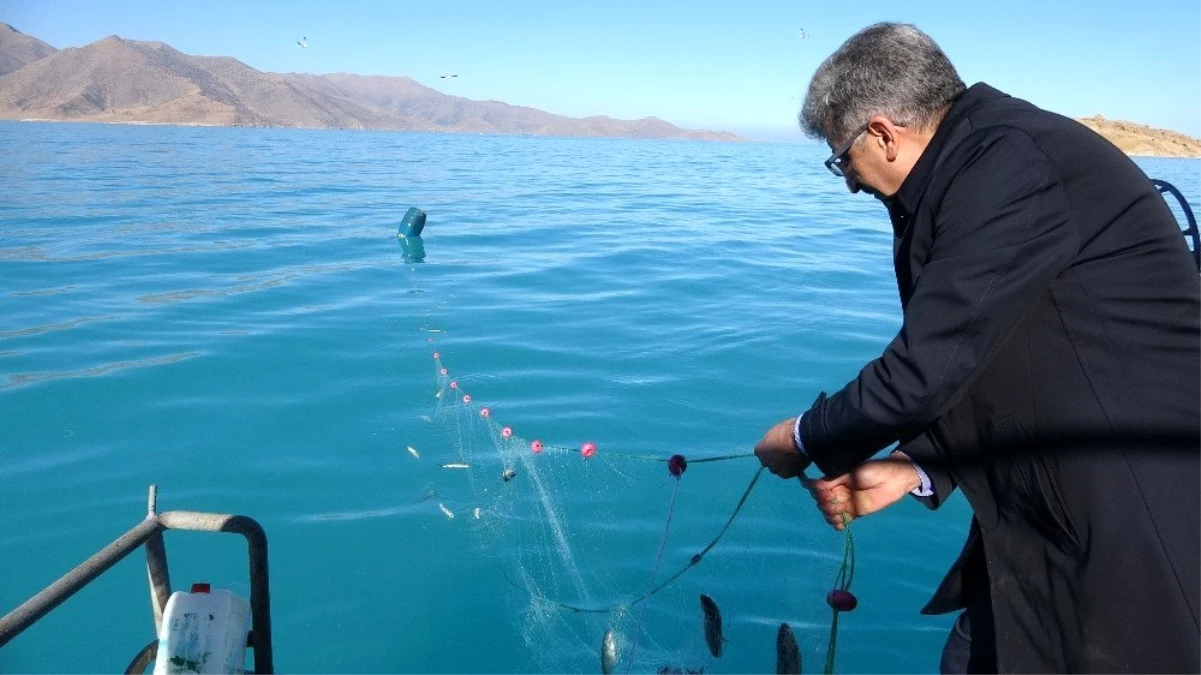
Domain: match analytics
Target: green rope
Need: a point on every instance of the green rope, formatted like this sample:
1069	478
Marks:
691	563
846	574
644	458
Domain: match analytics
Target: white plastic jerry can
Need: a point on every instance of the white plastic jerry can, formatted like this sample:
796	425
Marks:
203	631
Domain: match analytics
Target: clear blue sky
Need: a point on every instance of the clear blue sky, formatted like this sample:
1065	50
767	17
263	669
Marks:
710	64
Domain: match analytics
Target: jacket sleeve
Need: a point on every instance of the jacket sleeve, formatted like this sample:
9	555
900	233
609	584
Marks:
921	451
1002	234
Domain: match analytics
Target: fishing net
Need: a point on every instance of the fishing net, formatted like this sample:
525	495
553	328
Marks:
590	539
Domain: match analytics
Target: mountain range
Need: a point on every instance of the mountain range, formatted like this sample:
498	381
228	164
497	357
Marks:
131	81
138	82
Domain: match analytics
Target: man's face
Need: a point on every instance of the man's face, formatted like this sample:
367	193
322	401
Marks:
878	159
866	168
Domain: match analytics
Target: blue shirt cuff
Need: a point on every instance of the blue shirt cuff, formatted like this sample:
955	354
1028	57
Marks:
926	489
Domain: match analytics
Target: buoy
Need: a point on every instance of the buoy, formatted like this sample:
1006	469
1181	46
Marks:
843	601
412	224
588	450
677	465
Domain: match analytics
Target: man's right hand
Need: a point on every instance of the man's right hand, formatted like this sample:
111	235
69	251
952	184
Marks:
778	452
872	486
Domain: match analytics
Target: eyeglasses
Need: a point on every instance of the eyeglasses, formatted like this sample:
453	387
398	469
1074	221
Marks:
838	161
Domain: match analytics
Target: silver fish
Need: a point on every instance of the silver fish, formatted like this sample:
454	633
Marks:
788	654
456	465
713	636
413	452
445	511
608	653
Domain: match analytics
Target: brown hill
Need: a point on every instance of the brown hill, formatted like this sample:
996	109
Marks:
18	50
1143	141
117	80
404	97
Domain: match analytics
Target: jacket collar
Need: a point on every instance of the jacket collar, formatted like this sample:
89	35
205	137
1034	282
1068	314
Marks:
910	193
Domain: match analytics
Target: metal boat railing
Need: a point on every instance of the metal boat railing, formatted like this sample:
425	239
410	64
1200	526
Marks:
149	533
1190	231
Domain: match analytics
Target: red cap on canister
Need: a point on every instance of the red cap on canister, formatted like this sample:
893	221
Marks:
200	587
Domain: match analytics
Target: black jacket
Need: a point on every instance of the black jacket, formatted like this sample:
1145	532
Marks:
1049	366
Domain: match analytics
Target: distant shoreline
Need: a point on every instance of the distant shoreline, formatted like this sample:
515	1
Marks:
1140	152
448	132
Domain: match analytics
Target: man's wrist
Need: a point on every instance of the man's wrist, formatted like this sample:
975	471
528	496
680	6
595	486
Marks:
919	483
796	436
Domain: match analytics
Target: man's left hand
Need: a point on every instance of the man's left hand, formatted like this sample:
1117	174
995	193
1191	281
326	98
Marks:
873	485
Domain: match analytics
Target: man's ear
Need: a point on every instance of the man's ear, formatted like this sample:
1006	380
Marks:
886	134
890	144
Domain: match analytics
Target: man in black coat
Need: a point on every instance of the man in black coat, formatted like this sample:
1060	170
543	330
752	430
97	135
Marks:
1048	366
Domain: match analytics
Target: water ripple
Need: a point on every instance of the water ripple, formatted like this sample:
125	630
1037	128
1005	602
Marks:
21	379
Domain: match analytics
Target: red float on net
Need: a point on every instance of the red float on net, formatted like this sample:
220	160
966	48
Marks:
588	450
677	465
536	446
506	432
467	398
437	355
484	412
843	601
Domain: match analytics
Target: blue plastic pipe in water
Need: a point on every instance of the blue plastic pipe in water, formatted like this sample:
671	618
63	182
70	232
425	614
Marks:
412	224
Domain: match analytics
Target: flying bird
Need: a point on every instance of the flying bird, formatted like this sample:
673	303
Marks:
803	34
303	43
447	77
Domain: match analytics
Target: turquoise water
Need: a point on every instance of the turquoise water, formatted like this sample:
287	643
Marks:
228	314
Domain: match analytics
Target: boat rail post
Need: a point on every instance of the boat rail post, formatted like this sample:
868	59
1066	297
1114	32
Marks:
260	587
156	566
1190	230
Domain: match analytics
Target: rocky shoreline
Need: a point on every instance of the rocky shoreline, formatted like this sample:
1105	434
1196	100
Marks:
1139	140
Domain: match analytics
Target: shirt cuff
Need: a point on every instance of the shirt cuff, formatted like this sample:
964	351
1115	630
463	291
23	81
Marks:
796	436
926	489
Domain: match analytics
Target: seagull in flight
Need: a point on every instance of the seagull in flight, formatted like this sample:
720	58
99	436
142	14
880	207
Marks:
803	34
303	42
447	77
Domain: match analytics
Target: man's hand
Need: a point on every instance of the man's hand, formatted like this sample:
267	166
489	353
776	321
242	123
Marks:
872	486
778	452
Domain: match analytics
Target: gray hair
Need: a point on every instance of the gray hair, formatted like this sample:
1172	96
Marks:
889	69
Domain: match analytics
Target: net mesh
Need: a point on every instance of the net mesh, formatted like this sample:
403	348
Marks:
593	540
548	516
